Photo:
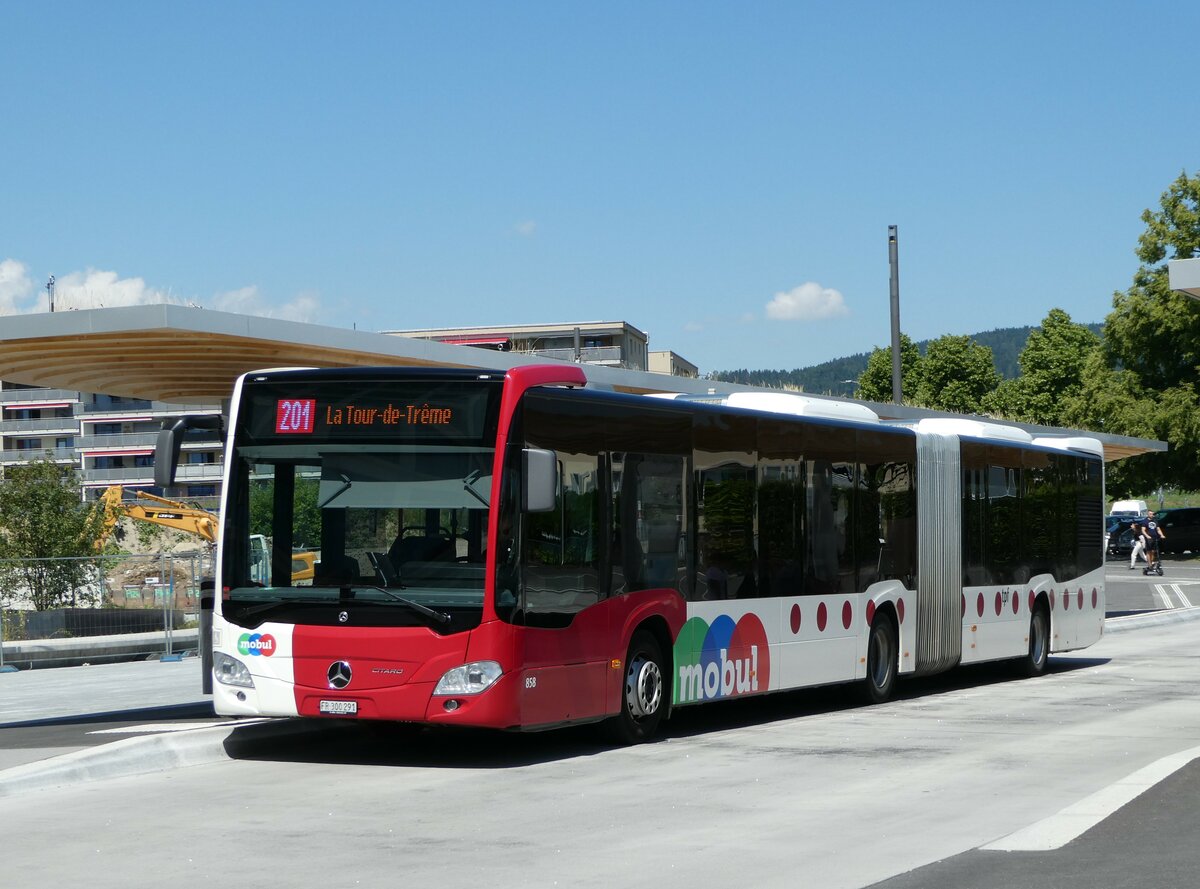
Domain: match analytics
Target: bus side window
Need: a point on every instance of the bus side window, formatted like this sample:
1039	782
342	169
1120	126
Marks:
648	522
562	553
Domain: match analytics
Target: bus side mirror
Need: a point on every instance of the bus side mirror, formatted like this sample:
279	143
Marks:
166	453
170	439
540	471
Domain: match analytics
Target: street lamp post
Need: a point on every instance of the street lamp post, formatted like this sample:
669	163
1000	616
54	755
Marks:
894	262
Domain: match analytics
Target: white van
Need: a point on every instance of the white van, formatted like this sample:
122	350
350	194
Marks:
1136	508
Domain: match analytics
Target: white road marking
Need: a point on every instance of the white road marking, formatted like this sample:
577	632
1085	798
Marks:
1073	821
1162	594
1182	598
153	727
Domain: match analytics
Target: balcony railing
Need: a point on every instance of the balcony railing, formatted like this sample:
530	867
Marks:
117	440
152	408
191	472
68	425
610	355
58	455
15	397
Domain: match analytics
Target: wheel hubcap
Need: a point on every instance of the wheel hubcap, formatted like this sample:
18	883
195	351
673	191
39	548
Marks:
643	687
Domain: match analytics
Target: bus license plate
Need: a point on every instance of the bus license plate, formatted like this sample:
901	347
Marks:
341	708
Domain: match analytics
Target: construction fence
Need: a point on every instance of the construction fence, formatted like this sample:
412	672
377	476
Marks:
119	607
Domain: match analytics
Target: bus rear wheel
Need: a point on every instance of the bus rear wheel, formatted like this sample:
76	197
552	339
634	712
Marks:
882	648
1034	662
643	692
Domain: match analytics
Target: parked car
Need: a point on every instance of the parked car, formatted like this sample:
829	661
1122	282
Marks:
1118	536
1181	529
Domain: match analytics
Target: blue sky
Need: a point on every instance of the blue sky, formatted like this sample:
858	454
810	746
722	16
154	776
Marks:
720	175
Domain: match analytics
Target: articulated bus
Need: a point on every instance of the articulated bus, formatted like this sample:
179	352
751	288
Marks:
515	550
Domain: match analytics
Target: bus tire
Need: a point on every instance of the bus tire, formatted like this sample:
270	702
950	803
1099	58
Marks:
1034	662
643	692
882	658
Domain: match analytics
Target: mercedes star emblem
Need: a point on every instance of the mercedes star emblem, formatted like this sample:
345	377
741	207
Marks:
343	616
339	674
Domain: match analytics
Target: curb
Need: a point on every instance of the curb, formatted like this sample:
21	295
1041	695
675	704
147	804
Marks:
1150	619
151	753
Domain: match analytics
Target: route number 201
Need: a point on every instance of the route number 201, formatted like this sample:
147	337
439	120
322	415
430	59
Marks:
295	415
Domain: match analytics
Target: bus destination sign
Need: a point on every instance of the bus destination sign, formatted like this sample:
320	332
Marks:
435	413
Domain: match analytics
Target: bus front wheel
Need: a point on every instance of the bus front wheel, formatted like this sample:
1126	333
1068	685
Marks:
643	692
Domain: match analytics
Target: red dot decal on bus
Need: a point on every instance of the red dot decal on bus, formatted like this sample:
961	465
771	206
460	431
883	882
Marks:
847	614
1016	601
1066	600
822	615
979	604
964	604
999	603
1032	601
870	613
1051	600
795	619
1095	597
1080	599
900	609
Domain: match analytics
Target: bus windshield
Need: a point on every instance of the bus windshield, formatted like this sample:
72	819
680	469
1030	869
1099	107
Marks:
394	519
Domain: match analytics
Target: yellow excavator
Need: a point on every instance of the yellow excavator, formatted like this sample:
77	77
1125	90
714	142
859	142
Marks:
204	524
157	510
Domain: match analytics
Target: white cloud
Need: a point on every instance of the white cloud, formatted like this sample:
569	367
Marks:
16	288
527	228
96	289
808	302
248	301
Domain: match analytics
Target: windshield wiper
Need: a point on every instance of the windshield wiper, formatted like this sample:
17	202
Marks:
262	607
347	484
438	616
471	478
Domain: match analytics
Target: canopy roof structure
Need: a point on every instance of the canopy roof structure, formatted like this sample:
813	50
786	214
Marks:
188	355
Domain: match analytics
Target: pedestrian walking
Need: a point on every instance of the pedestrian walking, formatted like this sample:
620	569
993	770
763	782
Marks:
1139	544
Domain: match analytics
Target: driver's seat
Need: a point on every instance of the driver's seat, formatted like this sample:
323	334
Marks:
420	549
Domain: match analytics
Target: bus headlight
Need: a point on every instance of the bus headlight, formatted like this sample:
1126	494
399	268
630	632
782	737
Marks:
469	679
230	671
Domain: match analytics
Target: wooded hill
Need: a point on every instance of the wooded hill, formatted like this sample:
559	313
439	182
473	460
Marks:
830	377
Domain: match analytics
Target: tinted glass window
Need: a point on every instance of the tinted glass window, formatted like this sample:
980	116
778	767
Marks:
782	516
724	463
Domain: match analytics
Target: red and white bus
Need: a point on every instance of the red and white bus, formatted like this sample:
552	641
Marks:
515	550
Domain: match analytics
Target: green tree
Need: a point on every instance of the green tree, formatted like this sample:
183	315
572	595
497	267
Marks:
1152	331
1152	347
306	518
956	375
1052	367
47	536
875	383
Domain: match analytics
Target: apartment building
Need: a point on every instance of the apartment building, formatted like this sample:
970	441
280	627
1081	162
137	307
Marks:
606	343
109	440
